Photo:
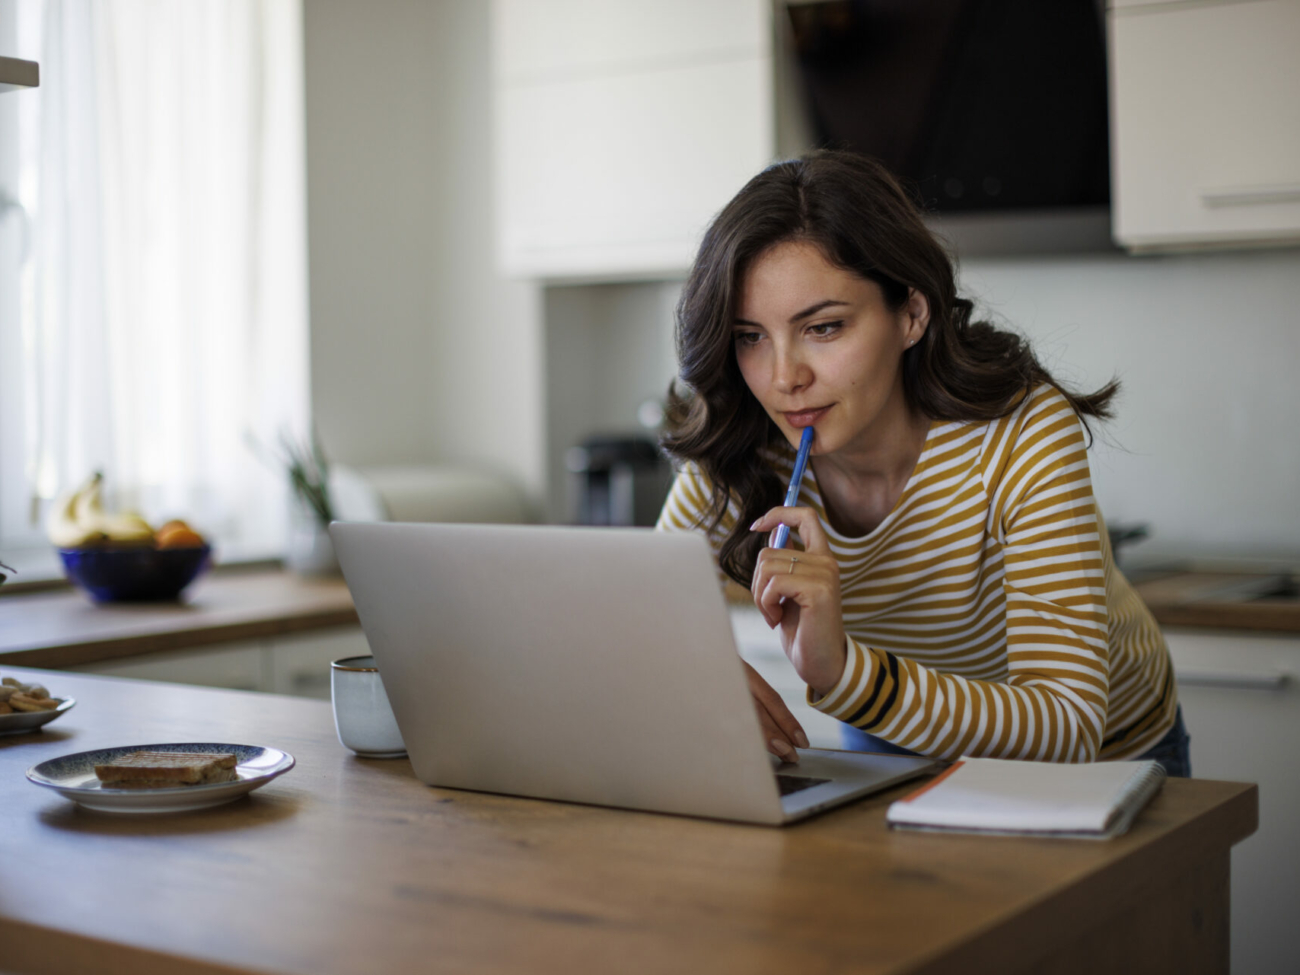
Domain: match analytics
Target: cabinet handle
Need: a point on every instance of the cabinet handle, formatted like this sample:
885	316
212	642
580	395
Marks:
1226	678
1240	196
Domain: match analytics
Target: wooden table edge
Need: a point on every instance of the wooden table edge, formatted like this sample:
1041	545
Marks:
28	950
1032	935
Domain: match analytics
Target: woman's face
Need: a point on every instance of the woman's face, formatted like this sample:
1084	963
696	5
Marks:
818	347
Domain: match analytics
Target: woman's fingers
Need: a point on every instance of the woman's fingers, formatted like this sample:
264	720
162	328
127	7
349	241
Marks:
806	605
800	591
804	521
780	574
781	732
772	562
773	740
773	714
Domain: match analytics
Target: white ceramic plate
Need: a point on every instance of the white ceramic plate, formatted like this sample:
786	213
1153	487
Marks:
21	722
73	776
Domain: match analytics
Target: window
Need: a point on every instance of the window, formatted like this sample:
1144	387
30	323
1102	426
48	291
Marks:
153	310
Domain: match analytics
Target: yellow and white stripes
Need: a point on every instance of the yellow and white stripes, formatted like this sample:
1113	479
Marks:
985	614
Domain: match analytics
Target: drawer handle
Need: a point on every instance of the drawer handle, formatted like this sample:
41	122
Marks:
1225	678
1240	196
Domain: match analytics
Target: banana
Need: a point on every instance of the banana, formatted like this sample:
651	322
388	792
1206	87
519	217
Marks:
126	526
79	519
63	527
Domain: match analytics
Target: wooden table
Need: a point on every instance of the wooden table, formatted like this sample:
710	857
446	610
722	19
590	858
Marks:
63	628
348	865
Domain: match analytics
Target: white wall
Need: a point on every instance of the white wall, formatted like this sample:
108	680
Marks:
1206	443
420	352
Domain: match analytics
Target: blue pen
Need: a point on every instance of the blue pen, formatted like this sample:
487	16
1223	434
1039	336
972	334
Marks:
792	495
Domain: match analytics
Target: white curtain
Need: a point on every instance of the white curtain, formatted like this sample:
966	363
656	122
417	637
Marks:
164	315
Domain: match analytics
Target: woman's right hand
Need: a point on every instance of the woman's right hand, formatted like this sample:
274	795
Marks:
781	732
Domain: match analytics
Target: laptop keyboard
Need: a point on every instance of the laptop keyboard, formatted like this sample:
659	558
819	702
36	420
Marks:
790	784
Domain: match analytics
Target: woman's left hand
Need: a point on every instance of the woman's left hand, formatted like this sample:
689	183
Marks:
811	619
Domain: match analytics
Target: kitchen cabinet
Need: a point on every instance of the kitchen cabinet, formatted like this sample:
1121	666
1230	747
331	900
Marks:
236	665
1241	702
297	664
622	127
1205	123
300	665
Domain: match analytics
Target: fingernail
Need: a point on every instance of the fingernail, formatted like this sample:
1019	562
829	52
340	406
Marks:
801	739
755	524
782	749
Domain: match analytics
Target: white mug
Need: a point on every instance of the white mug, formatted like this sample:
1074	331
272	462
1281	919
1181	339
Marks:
363	717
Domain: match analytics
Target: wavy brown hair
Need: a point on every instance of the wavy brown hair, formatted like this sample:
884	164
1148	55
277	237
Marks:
860	217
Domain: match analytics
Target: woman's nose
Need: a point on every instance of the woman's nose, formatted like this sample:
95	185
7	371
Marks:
790	373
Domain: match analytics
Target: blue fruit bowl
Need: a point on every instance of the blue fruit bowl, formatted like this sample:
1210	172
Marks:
118	575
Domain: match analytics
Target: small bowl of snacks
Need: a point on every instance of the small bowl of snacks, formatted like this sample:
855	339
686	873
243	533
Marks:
26	707
120	557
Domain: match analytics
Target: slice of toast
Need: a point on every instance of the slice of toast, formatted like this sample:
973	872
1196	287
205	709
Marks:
160	770
220	775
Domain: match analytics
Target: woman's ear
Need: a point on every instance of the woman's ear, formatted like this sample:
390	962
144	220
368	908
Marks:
915	317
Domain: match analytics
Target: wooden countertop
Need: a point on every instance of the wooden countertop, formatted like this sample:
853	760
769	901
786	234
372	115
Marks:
346	865
1202	599
63	628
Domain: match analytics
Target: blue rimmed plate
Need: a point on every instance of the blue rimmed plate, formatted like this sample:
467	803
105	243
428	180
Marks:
22	722
73	776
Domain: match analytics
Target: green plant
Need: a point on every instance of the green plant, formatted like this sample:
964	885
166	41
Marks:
308	472
309	475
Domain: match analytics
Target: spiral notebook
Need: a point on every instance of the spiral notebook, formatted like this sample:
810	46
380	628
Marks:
995	796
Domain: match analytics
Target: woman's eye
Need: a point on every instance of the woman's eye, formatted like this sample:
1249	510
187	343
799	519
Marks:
748	338
825	328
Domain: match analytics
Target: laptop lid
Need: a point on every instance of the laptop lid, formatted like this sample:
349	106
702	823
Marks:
590	665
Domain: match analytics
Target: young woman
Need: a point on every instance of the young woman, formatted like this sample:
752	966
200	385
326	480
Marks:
954	591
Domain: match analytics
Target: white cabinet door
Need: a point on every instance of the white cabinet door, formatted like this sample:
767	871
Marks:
543	39
300	664
1241	702
240	666
297	664
622	128
1205	123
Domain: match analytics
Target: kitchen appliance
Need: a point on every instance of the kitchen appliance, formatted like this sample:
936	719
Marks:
618	480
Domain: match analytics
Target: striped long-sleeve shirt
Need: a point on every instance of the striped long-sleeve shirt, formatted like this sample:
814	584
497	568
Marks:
985	615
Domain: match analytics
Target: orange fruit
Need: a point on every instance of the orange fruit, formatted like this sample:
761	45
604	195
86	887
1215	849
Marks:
178	536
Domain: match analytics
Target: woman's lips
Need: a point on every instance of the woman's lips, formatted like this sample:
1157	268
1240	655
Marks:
805	418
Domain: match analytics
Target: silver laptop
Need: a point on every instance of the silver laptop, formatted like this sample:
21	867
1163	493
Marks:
592	665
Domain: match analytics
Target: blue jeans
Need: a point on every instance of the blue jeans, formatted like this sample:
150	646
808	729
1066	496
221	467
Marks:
1172	751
